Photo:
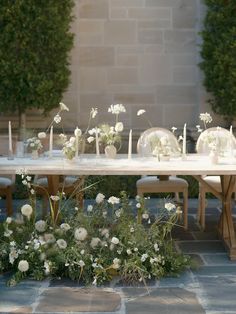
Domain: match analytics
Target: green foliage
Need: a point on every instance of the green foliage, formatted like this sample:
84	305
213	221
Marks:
93	245
219	56
35	41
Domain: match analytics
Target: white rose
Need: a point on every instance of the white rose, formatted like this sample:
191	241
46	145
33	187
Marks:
140	112
65	226
80	234
99	198
27	210
169	206
23	266
119	127
115	240
57	118
63	107
113	200
41	225
78	132
41	135
62	244
90	139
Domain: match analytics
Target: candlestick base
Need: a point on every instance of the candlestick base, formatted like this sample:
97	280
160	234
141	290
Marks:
10	155
184	157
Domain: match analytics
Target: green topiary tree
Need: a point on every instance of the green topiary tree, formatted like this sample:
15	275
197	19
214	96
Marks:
219	56
35	41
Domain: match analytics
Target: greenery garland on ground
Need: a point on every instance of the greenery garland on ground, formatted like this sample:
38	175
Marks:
218	53
92	245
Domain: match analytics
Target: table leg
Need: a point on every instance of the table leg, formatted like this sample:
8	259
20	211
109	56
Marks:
226	226
53	188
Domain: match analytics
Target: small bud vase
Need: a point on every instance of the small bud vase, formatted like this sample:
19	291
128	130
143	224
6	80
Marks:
214	157
35	154
110	151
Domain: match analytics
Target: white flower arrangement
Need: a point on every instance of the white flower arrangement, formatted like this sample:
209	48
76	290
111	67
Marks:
34	143
27	210
92	246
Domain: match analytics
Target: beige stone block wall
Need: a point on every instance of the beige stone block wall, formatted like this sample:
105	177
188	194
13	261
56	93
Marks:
142	53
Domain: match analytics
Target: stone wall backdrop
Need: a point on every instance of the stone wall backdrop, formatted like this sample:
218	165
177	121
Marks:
142	53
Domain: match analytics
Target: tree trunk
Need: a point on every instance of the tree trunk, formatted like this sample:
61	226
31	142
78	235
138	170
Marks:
22	126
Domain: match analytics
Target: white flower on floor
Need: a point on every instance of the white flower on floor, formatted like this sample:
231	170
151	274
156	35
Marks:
119	127
115	240
41	135
113	200
47	267
49	238
144	257
169	206
27	210
62	244
145	216
80	234
55	198
140	112
90	208
81	263
23	266
41	225
128	251
116	263
95	242
99	198
63	107
105	233
65	226
13	255
8	220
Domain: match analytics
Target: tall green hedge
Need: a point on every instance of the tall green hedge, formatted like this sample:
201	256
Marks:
35	41
219	56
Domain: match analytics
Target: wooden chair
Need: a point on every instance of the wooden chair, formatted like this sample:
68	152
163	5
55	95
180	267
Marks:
211	183
162	184
67	184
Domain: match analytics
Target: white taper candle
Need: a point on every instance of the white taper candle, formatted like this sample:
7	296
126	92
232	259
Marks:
130	145
10	136
51	141
97	143
184	140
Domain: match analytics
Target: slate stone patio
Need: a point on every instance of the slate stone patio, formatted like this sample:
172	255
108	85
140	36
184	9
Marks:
210	287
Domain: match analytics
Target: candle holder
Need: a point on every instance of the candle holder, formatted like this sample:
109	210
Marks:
184	156
10	155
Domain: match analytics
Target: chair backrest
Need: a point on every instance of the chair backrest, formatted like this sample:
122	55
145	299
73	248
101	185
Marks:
144	145
215	136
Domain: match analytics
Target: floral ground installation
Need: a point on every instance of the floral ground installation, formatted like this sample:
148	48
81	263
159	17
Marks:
91	245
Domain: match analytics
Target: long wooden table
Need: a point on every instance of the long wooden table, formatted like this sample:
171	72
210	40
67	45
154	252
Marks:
194	165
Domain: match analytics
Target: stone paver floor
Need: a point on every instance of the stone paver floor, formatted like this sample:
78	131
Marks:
210	288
